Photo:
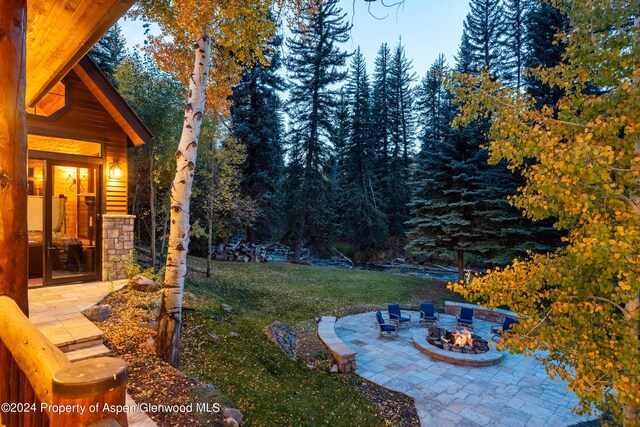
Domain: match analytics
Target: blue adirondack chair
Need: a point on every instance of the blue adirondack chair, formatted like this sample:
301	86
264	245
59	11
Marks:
499	331
395	315
428	313
384	326
465	318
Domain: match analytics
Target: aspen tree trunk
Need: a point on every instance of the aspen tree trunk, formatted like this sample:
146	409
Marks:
152	208
168	345
13	153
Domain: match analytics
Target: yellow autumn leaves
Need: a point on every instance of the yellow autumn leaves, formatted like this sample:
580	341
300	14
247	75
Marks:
581	160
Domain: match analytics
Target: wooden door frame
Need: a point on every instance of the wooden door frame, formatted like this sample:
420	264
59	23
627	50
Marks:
47	266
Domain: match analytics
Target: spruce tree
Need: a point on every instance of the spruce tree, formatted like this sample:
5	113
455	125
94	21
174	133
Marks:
484	26
544	49
338	178
364	220
441	210
503	233
256	121
381	122
315	64
109	52
396	192
514	43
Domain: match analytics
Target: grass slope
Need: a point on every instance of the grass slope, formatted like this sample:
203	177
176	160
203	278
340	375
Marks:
269	388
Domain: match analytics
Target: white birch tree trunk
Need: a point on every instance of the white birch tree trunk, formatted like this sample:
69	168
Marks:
170	321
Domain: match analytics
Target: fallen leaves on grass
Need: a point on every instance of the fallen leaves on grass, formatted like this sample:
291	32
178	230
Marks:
151	380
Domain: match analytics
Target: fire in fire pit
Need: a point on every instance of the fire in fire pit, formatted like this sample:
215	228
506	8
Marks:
457	341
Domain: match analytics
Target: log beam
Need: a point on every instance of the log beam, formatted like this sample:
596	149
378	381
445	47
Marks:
13	153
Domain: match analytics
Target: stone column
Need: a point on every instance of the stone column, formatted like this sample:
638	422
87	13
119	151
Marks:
117	245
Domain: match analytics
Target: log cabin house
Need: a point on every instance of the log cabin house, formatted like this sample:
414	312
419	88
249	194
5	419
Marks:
62	183
78	135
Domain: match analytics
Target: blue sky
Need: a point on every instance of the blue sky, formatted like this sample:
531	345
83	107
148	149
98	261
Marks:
427	28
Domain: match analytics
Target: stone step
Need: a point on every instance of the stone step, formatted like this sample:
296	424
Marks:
70	332
82	343
97	350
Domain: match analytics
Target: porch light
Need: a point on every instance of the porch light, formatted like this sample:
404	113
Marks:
115	171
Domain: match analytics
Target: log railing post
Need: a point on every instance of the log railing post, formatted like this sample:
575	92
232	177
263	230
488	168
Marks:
93	390
34	371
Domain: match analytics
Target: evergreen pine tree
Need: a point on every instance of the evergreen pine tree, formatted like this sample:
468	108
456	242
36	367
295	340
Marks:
396	192
315	65
484	26
544	49
515	36
381	122
338	179
256	122
109	52
442	206
464	59
365	222
503	233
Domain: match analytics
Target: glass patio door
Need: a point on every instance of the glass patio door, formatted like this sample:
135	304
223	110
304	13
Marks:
72	238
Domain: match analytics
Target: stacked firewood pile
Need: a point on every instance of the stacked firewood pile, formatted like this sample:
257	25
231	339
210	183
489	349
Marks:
246	252
241	252
278	250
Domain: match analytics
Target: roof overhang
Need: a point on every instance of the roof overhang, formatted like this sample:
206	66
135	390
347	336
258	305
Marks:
60	33
112	101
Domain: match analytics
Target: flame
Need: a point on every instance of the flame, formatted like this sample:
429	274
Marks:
462	338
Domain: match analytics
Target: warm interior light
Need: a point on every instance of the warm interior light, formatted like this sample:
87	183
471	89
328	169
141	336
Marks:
115	171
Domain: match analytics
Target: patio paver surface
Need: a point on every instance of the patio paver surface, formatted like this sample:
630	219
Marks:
515	392
57	312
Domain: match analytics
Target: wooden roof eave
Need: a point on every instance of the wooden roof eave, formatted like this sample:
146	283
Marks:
60	33
112	101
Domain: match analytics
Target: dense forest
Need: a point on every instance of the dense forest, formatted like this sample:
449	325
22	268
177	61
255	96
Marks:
318	152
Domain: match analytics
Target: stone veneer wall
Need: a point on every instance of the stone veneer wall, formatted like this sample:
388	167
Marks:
496	315
117	245
344	356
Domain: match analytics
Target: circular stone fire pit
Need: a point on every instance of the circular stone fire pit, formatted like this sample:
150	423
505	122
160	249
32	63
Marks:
457	341
456	347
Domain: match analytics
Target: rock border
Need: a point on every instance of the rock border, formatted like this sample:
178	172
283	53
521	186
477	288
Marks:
344	355
489	358
496	315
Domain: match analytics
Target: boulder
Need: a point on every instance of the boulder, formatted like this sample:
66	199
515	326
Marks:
232	413
335	369
234	334
98	313
227	308
283	337
144	284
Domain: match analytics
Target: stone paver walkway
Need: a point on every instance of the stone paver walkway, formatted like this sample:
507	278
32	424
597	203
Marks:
515	392
57	312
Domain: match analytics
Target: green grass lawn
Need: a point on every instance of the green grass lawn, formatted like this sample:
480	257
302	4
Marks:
270	389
